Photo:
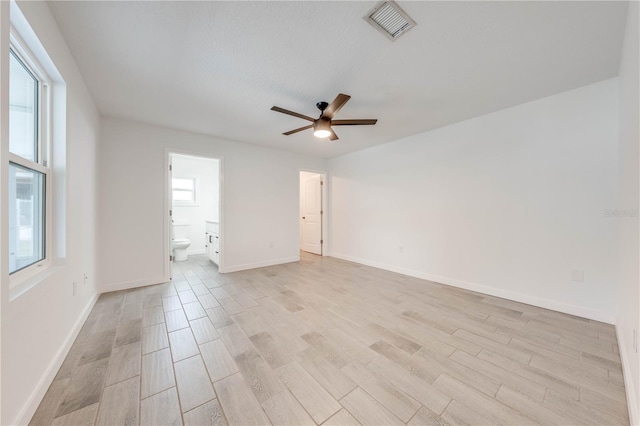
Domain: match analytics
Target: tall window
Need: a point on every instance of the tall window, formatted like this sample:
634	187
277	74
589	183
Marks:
28	166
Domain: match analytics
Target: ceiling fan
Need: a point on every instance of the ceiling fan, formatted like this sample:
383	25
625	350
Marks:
322	125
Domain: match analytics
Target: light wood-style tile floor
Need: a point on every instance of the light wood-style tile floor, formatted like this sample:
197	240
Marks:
329	342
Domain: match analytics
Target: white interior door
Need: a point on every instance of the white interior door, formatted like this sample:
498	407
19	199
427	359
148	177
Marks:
311	213
170	224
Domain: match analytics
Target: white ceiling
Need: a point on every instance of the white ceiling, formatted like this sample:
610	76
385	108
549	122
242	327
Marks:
218	67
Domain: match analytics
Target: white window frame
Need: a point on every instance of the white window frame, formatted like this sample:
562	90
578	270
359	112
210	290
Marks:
20	49
186	203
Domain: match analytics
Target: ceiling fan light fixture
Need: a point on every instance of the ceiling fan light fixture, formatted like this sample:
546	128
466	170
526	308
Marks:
321	129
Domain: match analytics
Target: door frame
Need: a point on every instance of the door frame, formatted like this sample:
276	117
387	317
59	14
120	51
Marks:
324	225
167	203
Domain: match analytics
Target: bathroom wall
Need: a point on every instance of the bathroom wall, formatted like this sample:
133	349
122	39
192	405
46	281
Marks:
205	171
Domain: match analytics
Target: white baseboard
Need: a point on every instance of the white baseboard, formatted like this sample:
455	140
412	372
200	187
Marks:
30	407
541	302
246	266
107	288
629	385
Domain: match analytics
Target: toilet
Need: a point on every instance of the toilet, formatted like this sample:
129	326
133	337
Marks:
180	242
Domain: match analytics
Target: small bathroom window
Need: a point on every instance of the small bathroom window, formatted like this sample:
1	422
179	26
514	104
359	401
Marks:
184	191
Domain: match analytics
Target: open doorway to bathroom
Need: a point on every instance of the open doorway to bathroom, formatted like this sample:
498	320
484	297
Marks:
194	212
312	217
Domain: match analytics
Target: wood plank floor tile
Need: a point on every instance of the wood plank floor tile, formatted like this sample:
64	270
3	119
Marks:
194	310
578	411
209	414
219	293
187	296
161	409
208	301
283	409
489	408
171	303
120	404
99	347
183	344
514	381
157	373
240	404
245	301
231	306
530	408
200	289
395	339
217	359
219	317
425	393
327	340
416	365
313	397
48	408
393	399
426	417
235	340
460	414
367	410
153	315
71	361
273	353
84	387
325	373
604	402
83	417
341	418
203	330
154	338
124	363
194	386
326	348
258	375
176	320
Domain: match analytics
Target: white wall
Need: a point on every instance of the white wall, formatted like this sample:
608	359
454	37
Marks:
39	325
507	203
628	298
259	201
205	171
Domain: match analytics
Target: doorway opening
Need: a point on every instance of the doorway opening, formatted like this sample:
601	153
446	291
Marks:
194	211
312	215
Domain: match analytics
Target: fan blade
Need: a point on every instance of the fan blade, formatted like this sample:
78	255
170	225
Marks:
290	132
333	136
357	122
335	106
295	114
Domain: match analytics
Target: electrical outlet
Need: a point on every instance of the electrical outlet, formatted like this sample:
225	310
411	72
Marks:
577	275
85	278
74	288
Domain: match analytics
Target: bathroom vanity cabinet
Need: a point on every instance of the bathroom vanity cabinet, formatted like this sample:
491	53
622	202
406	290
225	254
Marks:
212	240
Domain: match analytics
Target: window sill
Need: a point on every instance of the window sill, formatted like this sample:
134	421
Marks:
19	285
185	205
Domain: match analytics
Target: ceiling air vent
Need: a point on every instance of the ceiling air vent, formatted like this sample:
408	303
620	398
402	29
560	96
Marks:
390	20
